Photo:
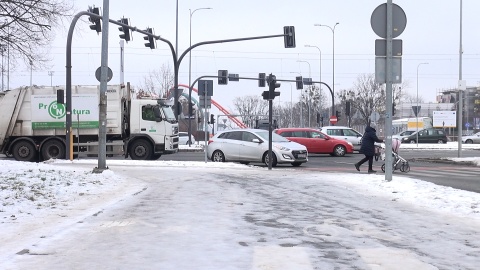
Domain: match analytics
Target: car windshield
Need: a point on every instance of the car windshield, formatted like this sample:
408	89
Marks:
275	136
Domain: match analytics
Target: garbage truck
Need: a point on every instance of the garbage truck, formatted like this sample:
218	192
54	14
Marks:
33	128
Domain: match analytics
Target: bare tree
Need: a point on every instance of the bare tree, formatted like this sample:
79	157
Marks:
368	96
158	82
26	29
250	107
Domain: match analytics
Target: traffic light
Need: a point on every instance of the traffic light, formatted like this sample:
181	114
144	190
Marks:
223	77
299	81
272	84
96	25
289	36
393	108
126	31
149	38
318	118
212	119
347	108
338	115
261	79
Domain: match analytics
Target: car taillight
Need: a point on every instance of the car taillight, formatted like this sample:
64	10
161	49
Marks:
210	141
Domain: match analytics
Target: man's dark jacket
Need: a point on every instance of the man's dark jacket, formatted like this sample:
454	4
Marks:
368	141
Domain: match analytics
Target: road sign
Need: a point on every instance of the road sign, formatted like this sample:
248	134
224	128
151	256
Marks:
378	20
333	119
381	71
444	119
98	72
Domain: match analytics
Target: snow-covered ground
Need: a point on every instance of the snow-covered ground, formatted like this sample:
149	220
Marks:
45	200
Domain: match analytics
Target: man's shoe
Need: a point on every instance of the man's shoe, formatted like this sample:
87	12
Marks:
357	166
371	171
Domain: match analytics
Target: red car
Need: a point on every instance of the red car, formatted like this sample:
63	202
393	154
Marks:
316	141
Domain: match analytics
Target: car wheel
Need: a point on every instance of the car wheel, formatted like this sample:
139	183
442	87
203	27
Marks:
274	159
339	150
469	141
441	141
296	164
412	141
218	156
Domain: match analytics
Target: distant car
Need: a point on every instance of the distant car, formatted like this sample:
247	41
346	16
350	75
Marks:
183	138
251	145
475	138
429	135
344	133
403	134
316	141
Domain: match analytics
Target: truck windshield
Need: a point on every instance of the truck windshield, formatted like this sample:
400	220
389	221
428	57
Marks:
168	112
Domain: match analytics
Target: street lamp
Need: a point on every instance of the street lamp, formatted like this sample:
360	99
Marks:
50	73
190	77
320	86
418	111
333	60
308	96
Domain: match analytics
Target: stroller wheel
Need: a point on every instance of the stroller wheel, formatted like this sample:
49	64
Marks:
383	167
405	167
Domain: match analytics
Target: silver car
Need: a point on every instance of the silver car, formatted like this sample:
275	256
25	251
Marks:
475	138
251	145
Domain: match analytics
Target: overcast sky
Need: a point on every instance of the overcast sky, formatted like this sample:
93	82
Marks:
432	35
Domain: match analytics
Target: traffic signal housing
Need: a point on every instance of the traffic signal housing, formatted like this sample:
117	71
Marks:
126	31
96	24
261	79
347	108
272	85
299	82
212	119
151	41
338	114
289	36
393	108
223	77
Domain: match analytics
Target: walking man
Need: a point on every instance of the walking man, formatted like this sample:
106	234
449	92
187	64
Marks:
368	148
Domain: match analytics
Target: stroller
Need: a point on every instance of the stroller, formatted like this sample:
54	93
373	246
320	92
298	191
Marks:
399	163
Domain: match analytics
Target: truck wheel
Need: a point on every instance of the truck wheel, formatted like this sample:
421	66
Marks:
141	150
24	151
156	156
53	149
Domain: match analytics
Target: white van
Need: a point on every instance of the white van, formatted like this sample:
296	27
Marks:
344	133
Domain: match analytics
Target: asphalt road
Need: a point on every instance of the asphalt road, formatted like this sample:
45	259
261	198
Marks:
424	165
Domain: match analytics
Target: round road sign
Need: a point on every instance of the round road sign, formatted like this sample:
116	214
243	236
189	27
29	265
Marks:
333	119
379	20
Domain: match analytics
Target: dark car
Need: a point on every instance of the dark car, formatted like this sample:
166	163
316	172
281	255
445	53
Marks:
429	135
316	141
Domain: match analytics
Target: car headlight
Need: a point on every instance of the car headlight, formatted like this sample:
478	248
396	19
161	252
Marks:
280	147
404	139
351	144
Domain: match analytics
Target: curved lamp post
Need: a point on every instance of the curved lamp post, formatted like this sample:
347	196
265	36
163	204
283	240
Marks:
333	65
190	78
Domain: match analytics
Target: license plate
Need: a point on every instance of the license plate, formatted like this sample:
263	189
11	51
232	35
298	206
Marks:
302	155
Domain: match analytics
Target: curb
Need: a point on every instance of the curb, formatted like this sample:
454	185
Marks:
445	161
